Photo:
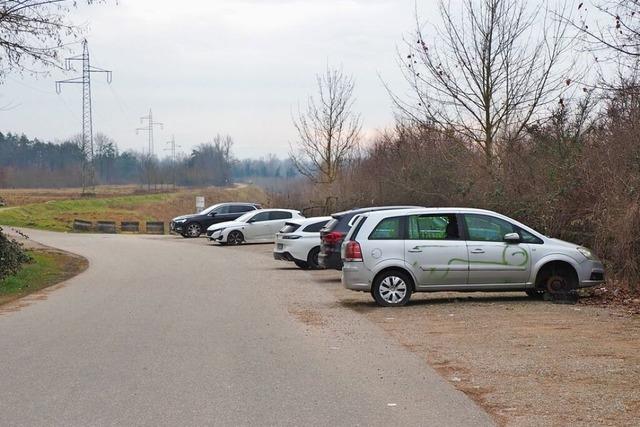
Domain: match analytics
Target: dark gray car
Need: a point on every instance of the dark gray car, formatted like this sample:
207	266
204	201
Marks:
195	224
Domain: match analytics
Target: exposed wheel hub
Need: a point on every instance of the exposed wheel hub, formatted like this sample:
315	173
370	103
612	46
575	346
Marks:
557	285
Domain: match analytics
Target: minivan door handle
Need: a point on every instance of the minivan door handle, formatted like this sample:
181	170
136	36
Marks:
416	249
477	251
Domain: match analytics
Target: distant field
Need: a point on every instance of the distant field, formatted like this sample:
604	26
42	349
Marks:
55	209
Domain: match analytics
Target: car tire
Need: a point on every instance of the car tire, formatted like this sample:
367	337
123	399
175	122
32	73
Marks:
392	288
235	237
193	230
312	258
303	265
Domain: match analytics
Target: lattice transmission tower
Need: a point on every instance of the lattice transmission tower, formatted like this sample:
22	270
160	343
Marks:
88	169
172	148
149	130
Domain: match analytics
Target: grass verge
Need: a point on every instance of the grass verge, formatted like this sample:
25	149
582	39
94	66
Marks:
58	214
47	268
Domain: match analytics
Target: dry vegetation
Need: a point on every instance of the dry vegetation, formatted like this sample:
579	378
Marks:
497	116
56	209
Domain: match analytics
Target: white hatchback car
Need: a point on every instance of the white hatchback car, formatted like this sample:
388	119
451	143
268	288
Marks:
394	253
253	227
299	241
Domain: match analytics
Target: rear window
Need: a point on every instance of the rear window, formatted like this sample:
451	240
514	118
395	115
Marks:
388	229
343	223
314	228
289	228
329	226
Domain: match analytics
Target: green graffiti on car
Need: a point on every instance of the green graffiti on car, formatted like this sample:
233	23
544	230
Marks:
517	252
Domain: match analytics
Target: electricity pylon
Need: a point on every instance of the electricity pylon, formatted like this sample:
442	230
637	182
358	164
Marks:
88	170
149	130
172	148
149	165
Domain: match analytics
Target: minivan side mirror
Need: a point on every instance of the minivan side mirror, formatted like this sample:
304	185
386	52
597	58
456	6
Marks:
512	238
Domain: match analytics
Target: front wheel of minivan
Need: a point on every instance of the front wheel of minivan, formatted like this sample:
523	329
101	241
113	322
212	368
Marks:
391	289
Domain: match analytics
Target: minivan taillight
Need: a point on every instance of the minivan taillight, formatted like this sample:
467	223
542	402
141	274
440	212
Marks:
333	238
352	252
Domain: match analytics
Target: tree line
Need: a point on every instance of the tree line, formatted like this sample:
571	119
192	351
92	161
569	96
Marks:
28	163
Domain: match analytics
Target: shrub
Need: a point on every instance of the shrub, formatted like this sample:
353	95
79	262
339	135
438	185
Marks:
12	256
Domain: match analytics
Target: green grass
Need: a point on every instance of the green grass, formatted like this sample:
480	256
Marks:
58	215
46	269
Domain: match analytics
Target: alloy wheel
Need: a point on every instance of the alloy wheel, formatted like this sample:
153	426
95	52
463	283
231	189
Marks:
234	238
393	289
194	230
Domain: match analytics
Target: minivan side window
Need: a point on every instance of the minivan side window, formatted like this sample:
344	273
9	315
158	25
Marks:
485	228
434	227
388	229
527	237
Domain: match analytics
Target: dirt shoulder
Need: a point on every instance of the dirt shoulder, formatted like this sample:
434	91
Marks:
526	362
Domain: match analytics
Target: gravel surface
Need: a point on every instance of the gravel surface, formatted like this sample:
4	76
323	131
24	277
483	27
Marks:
527	362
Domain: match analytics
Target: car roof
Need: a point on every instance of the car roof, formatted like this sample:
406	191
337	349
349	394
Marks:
278	209
372	209
313	220
238	203
429	210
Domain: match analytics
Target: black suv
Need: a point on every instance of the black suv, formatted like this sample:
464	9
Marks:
332	234
194	225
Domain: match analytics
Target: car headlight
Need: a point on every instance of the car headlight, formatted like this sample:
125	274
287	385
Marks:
180	221
586	253
218	230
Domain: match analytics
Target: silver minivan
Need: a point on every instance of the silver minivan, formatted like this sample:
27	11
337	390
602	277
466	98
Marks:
395	253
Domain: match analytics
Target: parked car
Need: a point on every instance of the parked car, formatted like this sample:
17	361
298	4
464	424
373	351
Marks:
195	224
336	229
394	253
299	241
252	227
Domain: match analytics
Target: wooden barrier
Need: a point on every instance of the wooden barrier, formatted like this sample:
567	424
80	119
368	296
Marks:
130	226
154	227
106	227
82	225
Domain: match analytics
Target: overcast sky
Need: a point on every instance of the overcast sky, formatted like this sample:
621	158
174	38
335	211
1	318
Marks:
237	67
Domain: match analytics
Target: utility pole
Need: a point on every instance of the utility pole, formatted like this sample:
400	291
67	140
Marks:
149	130
149	165
172	148
88	170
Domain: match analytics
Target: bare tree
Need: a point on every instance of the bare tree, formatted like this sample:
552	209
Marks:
487	71
32	32
615	26
328	130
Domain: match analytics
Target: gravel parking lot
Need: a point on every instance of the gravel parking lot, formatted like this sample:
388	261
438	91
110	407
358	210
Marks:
526	362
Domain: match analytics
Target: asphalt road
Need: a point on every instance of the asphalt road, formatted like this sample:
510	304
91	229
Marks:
168	331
